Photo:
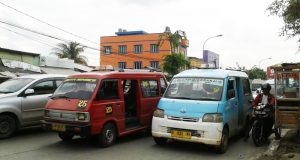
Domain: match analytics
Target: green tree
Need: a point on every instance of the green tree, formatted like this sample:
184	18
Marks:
173	63
289	10
256	73
70	50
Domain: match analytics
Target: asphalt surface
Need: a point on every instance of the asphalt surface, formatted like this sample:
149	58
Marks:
41	145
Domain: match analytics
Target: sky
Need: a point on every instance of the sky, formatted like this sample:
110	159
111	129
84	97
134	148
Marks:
250	35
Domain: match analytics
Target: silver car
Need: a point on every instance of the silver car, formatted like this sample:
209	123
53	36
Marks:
22	101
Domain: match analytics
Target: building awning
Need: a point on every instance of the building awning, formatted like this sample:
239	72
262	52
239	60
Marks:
64	71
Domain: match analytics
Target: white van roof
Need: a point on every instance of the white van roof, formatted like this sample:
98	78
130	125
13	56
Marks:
211	73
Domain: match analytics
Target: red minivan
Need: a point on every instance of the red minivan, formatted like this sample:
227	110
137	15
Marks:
107	105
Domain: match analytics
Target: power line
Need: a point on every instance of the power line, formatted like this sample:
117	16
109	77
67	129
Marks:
44	34
26	36
26	14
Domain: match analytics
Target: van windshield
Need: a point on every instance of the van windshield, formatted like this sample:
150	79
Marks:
14	85
76	88
195	89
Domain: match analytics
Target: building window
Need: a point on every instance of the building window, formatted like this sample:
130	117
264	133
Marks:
154	64
137	65
138	48
122	49
107	49
154	48
122	65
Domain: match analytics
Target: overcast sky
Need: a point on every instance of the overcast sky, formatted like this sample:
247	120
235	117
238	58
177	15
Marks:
250	35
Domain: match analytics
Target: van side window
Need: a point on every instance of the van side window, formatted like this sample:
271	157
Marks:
246	87
149	88
108	90
230	89
45	87
163	86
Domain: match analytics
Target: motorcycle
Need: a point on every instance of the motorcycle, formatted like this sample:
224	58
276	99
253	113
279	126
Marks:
260	115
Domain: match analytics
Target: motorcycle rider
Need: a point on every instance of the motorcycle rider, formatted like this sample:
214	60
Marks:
267	99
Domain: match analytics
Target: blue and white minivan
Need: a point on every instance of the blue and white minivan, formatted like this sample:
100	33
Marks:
204	106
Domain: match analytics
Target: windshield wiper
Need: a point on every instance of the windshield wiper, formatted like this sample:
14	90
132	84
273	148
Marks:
60	96
207	98
178	97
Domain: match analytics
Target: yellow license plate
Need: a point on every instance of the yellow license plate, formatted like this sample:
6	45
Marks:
59	127
181	134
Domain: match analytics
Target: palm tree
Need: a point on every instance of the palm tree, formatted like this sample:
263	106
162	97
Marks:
70	50
173	38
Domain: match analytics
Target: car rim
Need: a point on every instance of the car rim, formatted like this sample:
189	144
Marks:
109	136
4	127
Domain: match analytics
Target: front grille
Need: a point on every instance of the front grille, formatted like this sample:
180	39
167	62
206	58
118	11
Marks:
61	115
186	119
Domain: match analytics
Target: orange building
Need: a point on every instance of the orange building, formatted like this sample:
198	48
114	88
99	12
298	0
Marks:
135	50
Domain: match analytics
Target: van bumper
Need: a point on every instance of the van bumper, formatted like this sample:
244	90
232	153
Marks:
202	132
76	129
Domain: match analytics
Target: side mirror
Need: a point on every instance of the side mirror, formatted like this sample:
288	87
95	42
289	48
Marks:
29	91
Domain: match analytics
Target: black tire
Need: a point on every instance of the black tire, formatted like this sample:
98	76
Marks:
8	126
277	133
160	141
224	141
108	135
258	136
65	136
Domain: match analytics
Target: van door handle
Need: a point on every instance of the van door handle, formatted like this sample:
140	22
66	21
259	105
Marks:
118	105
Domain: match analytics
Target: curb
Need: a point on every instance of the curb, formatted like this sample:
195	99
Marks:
273	146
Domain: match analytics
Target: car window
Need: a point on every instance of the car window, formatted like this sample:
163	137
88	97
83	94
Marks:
149	88
45	87
246	87
230	89
163	85
58	82
14	85
108	90
195	88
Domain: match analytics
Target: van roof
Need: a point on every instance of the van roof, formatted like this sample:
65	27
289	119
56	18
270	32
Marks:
116	74
211	73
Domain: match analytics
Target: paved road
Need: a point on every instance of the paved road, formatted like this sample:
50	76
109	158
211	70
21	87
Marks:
37	144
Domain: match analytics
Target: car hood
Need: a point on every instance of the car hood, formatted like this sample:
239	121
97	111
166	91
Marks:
2	95
187	108
65	104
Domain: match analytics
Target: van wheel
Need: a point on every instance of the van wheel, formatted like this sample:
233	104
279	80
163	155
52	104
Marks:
160	141
108	135
65	136
7	126
224	141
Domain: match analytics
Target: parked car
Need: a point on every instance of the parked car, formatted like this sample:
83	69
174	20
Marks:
22	101
106	105
204	106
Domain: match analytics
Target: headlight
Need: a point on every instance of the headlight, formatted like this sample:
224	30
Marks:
212	117
159	113
82	116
